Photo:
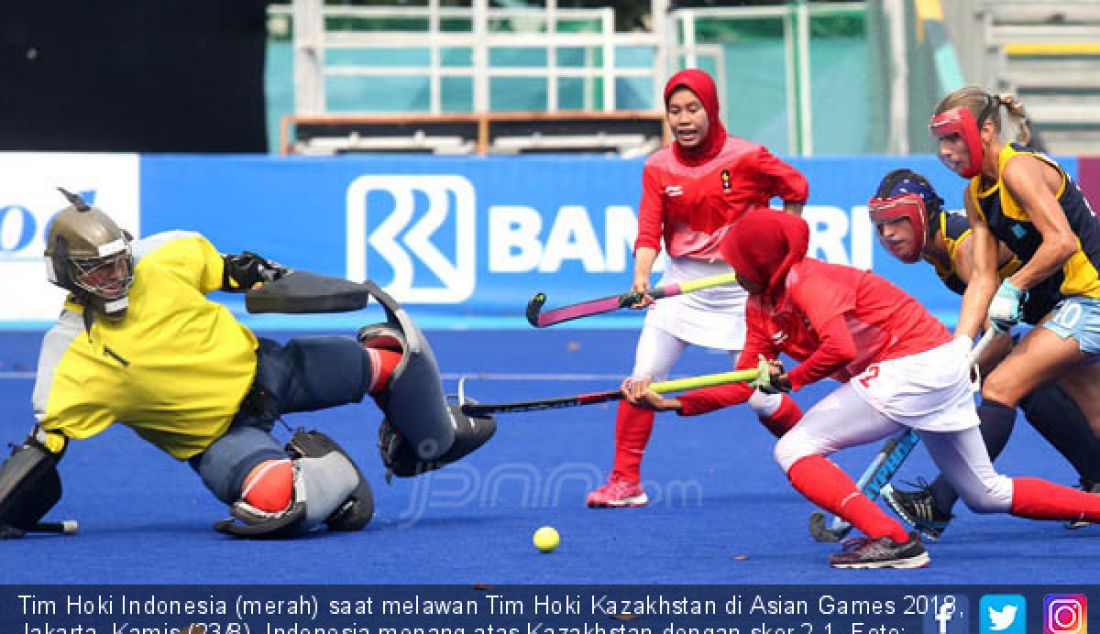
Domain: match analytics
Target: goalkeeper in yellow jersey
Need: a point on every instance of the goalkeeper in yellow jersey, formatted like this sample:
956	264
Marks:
139	343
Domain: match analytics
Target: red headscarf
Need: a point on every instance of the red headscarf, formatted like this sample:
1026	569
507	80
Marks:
763	245
700	83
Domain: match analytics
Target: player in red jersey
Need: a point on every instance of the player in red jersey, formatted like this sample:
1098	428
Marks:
899	367
692	192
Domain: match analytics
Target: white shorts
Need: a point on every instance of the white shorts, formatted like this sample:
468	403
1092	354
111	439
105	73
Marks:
930	391
711	318
844	419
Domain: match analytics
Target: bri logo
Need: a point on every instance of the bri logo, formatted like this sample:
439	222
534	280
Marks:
380	210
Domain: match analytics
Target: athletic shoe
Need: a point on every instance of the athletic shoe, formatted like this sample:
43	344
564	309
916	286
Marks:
884	552
918	509
1087	486
618	494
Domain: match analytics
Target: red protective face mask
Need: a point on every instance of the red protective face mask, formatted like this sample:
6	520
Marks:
909	206
962	122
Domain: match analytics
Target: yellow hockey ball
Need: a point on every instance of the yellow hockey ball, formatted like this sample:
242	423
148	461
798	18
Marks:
547	539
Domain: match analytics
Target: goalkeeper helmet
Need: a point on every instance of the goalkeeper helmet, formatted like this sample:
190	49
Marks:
89	255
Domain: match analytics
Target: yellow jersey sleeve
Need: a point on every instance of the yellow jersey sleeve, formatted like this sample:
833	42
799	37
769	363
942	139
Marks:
186	255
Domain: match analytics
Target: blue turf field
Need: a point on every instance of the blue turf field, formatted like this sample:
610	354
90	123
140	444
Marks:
722	510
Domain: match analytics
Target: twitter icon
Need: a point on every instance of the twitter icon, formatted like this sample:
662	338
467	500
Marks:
1003	614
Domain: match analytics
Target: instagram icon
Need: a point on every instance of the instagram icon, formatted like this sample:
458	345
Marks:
1065	614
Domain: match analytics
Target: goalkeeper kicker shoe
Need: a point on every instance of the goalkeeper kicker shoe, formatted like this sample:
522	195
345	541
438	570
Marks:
883	552
918	509
618	494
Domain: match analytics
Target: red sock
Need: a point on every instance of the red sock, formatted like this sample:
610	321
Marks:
781	420
269	485
382	363
824	484
633	426
1041	500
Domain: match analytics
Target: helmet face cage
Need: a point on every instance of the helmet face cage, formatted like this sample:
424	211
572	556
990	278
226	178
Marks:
89	255
109	276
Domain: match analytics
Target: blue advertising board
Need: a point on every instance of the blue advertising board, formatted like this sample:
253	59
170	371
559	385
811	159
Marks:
465	242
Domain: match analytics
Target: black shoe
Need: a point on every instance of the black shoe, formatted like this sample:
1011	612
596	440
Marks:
1088	486
884	552
401	459
918	509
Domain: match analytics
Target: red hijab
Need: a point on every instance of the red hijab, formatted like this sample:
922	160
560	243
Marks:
763	245
700	83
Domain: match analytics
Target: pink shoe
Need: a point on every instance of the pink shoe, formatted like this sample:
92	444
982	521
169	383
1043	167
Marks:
618	494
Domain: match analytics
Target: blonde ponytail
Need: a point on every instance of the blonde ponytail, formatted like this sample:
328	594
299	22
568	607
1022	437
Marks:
1018	116
977	100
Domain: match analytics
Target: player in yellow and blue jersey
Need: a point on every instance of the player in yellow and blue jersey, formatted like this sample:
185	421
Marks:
1019	197
912	225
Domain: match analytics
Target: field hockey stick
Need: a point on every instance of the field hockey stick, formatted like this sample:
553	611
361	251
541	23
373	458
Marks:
883	467
663	387
540	319
67	527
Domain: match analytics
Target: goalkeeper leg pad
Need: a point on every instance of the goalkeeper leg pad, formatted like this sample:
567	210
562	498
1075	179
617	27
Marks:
29	486
412	399
421	431
357	509
327	488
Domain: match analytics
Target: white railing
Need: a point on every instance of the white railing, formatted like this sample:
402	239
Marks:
674	36
312	40
796	36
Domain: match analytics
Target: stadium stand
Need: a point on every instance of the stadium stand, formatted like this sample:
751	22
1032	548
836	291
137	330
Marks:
1047	52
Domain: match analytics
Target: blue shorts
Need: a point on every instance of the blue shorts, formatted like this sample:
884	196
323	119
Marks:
1078	317
306	374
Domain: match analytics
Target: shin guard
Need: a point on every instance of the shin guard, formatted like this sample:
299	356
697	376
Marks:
824	484
782	419
633	427
1038	499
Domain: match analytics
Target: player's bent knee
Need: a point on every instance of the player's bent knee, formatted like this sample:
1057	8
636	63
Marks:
790	449
994	496
270	486
765	404
325	487
997	388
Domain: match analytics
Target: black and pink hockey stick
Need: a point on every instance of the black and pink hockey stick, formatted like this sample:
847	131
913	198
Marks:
540	319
